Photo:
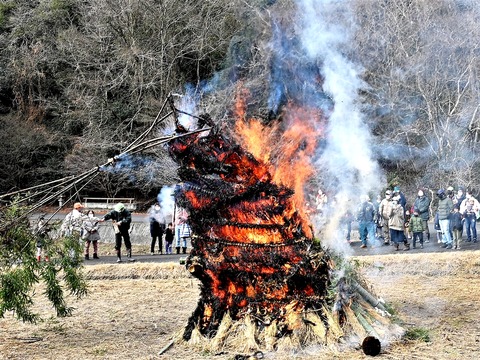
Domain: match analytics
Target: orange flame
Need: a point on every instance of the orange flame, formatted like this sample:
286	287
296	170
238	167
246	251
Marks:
287	150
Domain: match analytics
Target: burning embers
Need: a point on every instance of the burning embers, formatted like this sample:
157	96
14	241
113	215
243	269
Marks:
252	249
253	252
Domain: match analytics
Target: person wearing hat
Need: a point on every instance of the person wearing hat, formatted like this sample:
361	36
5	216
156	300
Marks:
396	223
121	219
384	212
73	223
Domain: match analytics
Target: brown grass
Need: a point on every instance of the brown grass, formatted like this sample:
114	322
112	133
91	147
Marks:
134	310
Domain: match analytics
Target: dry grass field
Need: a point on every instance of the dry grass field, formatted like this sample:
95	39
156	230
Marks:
134	310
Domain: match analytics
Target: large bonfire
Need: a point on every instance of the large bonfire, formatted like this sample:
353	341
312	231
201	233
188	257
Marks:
266	282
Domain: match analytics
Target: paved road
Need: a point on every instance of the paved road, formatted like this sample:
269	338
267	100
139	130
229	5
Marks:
432	246
146	258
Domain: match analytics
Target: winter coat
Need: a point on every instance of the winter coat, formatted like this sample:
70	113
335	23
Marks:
157	222
457	201
445	206
396	216
384	208
181	216
123	217
366	212
416	224
90	229
456	221
41	229
73	223
169	235
467	208
422	204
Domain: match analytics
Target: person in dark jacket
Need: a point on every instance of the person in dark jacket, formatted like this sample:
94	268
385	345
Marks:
403	199
169	235
422	206
157	227
121	219
445	207
366	221
456	222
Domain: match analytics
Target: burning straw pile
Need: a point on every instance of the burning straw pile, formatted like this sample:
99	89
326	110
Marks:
265	283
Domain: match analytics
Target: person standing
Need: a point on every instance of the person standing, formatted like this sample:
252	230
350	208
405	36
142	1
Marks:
169	238
417	228
157	227
445	207
422	206
91	235
459	197
396	223
181	217
185	234
72	225
403	199
456	221
121	219
41	230
469	209
366	221
384	211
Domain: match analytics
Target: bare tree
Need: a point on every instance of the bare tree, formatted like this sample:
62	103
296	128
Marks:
421	61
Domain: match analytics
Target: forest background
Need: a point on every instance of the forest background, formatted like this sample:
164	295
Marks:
81	79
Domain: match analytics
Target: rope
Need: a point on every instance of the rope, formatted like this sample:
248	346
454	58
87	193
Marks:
69	182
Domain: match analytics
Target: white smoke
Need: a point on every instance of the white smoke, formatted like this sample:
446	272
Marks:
188	104
167	202
347	158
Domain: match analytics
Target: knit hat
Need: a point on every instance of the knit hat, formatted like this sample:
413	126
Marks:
77	206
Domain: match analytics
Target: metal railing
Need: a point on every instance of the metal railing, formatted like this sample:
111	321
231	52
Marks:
108	203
